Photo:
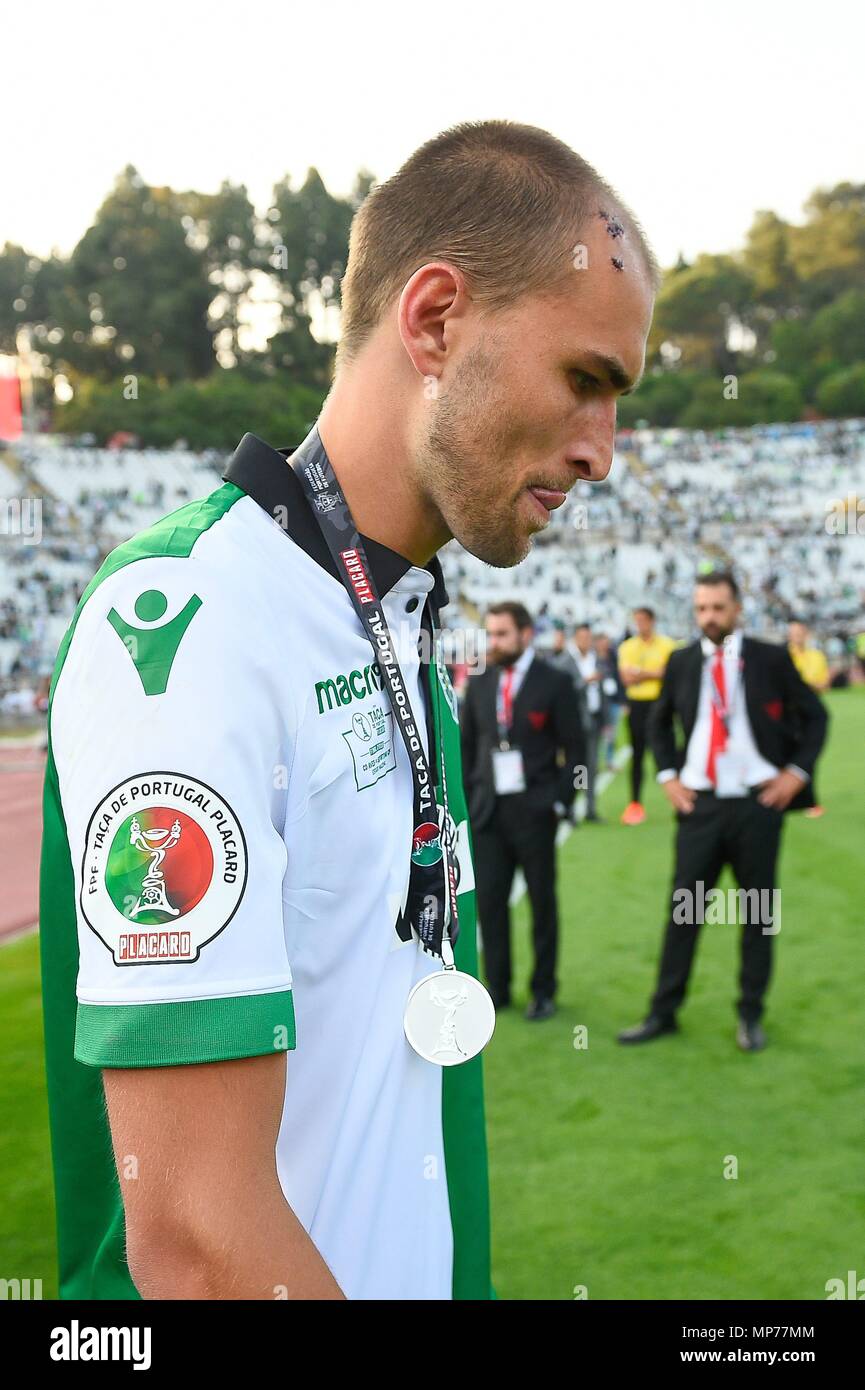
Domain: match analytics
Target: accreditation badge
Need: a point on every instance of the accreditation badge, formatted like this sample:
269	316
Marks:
449	1017
509	774
729	777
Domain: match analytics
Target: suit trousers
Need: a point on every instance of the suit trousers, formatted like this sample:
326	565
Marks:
517	836
738	831
594	731
639	714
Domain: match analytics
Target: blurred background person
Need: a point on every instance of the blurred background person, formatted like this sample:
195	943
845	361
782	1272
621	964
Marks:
809	661
614	691
563	655
595	711
560	654
813	667
522	740
642	663
752	730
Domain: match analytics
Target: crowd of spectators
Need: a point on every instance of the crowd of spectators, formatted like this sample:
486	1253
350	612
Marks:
783	506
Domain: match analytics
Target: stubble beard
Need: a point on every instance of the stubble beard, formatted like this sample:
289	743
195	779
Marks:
460	461
718	632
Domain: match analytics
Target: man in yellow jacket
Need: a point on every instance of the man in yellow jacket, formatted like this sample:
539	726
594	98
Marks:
809	661
642	663
813	667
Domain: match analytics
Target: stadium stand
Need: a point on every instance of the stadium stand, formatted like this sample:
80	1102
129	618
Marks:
764	501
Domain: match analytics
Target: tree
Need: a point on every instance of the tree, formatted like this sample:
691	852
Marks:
838	329
843	393
661	397
828	250
209	414
697	306
16	292
309	231
776	290
137	294
223	226
761	397
767	259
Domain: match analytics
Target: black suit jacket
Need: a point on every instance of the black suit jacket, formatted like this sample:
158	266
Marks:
547	729
788	720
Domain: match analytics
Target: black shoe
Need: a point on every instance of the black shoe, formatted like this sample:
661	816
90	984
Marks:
651	1028
539	1009
500	1001
750	1036
595	819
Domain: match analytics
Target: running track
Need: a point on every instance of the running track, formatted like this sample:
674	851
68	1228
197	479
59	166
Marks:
21	772
22	768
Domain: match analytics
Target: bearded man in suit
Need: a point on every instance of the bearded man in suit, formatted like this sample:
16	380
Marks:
751	733
522	743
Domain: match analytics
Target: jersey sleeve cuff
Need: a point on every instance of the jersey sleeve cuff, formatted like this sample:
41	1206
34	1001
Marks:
192	1031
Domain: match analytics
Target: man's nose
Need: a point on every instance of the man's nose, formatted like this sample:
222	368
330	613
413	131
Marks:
592	453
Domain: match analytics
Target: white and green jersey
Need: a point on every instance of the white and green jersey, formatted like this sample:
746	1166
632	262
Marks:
227	838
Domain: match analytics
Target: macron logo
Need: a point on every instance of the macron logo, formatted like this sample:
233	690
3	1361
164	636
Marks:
77	1343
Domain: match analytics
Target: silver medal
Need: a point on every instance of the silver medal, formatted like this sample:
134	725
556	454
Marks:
449	1017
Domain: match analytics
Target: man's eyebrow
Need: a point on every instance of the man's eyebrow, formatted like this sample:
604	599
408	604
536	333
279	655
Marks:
615	372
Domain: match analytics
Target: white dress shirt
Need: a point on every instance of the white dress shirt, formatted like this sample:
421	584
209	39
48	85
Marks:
519	668
588	665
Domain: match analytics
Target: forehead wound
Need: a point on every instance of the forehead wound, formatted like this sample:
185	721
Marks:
614	227
615	230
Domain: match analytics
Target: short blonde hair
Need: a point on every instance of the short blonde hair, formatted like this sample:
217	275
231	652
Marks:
502	202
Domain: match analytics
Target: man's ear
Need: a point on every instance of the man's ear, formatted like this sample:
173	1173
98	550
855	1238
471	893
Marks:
432	295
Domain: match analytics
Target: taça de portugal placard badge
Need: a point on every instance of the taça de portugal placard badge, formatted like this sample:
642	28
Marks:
164	869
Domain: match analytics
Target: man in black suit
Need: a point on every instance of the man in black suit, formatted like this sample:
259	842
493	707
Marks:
752	732
522	739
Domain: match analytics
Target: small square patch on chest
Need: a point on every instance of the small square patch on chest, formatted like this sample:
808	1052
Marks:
370	742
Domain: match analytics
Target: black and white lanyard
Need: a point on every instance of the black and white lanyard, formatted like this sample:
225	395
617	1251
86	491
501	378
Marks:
431	907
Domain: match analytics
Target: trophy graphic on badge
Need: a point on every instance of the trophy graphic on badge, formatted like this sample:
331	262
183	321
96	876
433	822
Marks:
156	842
448	997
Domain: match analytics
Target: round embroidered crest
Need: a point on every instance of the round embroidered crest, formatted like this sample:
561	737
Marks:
164	868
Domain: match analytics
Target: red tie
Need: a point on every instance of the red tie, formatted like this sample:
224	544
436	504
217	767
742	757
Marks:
718	737
507	700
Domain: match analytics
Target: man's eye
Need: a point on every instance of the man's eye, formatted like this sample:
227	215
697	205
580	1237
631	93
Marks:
584	380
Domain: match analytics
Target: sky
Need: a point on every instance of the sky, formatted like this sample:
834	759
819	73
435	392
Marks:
698	114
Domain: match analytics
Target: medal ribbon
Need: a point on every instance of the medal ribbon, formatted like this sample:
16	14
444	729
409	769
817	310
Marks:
431	905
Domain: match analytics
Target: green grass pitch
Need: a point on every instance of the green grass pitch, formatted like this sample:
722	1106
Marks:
607	1164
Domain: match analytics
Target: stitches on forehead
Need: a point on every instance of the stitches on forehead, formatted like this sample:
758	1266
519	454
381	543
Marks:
615	230
614	227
